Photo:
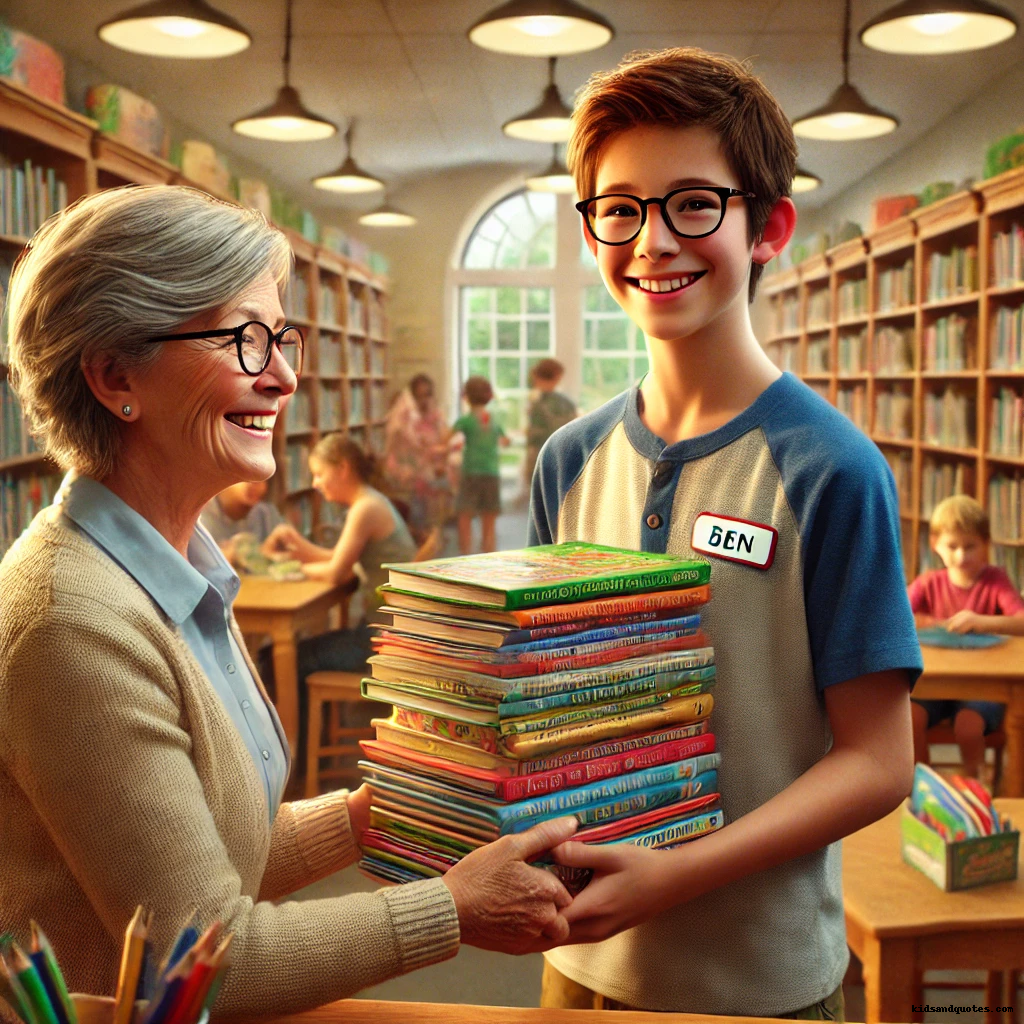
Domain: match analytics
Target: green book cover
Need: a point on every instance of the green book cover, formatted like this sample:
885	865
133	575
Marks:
545	575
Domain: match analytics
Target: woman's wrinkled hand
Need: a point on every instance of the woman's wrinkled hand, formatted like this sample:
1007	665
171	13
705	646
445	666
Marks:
504	903
358	802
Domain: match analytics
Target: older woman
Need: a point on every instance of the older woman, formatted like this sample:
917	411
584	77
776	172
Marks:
140	759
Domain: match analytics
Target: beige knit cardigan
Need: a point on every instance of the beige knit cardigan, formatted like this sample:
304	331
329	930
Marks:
124	781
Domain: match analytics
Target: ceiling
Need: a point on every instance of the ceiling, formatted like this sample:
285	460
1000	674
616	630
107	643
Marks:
427	100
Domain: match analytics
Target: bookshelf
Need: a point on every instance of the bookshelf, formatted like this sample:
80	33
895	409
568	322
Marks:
916	333
340	304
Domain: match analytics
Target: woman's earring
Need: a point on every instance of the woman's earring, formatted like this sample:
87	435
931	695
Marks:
126	409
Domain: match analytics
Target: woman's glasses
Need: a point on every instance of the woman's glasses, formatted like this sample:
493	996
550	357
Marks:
691	212
255	343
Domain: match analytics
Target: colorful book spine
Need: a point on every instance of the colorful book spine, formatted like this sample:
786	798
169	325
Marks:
612	633
676	832
616	606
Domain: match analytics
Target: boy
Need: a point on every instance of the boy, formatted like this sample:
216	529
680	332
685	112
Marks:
686	161
479	486
968	596
548	411
240	508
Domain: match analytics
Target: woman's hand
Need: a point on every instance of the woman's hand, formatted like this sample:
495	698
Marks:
629	886
358	803
283	538
505	904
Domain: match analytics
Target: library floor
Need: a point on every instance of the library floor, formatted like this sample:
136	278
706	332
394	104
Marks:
478	976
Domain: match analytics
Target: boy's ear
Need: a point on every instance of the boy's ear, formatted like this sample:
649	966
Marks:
777	232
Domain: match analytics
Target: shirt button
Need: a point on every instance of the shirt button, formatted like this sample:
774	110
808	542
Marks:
246	705
654	520
266	755
230	668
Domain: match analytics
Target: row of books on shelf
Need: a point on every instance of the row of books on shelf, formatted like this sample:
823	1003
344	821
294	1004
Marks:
819	308
329	356
852	351
328	312
15	439
1011	561
853	298
818	355
296	298
941	480
896	287
902	465
852	402
332	409
787	314
1008	257
298	413
300	513
953	273
949	418
1005	508
894	413
29	194
894	349
949	343
1006	436
526	685
297	474
1007	339
21	497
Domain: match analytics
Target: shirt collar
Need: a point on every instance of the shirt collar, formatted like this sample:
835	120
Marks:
176	584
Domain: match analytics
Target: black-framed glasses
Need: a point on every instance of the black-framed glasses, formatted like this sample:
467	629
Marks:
255	343
691	212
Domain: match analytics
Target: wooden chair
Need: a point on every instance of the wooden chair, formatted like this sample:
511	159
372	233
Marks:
943	733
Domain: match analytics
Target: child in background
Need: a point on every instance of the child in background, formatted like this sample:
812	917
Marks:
479	485
685	162
968	596
548	411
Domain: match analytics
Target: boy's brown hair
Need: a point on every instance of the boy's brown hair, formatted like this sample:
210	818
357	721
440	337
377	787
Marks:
686	87
547	369
478	390
958	513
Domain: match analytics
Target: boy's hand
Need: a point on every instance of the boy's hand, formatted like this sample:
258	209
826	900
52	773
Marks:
358	803
965	621
629	887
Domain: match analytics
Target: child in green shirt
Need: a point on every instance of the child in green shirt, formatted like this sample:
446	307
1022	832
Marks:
548	411
479	486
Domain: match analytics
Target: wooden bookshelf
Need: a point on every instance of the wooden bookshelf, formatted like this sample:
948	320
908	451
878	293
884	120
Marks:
340	300
942	353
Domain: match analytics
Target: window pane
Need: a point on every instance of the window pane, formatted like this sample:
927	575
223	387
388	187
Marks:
478	300
480	366
538	336
611	334
517	232
586	257
508	373
508	335
640	366
479	334
509	300
538	300
615	374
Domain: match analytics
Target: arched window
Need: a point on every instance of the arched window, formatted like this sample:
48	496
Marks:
527	287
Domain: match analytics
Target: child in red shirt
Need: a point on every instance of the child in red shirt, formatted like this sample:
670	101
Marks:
968	596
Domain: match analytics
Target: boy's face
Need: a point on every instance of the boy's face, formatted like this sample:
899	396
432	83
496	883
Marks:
650	161
962	552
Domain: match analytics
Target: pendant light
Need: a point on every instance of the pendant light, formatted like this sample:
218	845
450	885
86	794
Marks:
554	178
175	28
286	119
804	181
349	177
387	216
549	121
541	28
847	115
938	26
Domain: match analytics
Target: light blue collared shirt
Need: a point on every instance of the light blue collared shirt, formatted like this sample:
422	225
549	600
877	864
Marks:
196	596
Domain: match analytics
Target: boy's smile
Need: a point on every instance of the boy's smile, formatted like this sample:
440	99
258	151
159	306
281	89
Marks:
670	286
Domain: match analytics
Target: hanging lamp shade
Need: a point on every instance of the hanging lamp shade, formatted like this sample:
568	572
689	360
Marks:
549	121
286	119
349	177
845	117
175	28
541	28
554	178
387	216
939	26
804	181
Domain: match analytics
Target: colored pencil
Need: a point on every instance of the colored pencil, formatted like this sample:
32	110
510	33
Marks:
20	967
168	989
11	991
186	939
131	964
46	963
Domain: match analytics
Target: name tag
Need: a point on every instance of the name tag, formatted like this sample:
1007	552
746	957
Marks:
736	540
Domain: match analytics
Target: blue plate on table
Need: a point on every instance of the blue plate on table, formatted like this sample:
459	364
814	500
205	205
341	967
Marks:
936	636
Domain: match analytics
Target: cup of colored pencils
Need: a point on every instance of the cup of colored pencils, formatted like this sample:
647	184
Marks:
181	990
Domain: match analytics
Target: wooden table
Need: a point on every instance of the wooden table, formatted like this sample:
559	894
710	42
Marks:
900	924
992	673
283	610
373	1011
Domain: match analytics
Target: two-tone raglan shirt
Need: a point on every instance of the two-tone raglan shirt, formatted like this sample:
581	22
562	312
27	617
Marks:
797	512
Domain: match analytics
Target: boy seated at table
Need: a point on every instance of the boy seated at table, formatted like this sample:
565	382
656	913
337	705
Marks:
968	596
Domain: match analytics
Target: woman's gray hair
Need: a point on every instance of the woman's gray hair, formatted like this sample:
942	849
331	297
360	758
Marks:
110	271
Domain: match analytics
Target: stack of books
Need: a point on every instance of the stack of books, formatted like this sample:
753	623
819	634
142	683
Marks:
533	684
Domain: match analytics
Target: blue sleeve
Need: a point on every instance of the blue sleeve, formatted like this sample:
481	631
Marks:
844	497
